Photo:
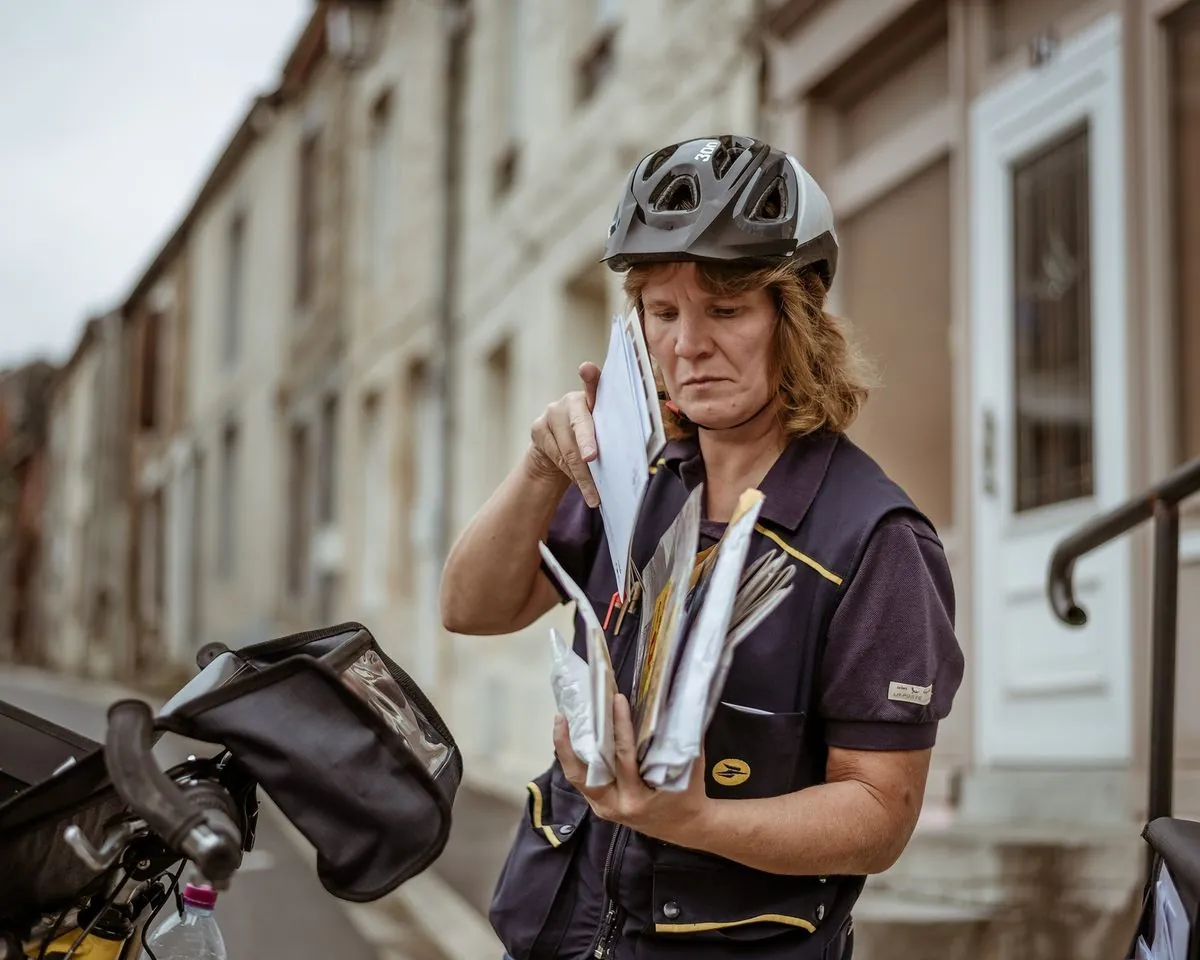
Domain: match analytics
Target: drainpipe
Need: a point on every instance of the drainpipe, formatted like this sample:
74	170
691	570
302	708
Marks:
457	23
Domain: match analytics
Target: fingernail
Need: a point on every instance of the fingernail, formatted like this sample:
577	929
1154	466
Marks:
587	450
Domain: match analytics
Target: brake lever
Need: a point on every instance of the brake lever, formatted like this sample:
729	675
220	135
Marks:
115	842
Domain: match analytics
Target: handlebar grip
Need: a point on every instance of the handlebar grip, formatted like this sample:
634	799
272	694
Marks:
205	835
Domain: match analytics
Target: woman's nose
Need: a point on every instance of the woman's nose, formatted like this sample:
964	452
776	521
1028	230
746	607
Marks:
692	338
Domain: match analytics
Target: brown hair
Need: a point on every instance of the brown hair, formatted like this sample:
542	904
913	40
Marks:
820	378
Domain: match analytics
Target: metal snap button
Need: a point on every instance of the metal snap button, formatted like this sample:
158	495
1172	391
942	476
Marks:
820	911
671	910
566	829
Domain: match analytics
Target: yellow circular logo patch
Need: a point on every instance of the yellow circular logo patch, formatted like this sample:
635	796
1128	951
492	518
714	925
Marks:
730	773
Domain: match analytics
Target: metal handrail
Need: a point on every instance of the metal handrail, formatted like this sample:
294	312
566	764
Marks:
1161	504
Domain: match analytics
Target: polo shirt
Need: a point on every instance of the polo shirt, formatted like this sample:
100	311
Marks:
862	655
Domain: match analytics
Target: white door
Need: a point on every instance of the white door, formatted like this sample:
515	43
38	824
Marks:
1049	405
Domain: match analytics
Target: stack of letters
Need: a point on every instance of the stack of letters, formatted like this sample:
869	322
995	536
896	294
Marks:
697	606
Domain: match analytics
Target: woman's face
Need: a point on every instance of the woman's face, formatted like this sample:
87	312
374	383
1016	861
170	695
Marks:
714	351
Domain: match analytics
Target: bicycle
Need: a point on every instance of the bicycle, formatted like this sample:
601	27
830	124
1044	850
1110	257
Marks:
341	739
85	900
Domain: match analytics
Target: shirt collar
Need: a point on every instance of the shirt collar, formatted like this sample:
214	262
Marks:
789	487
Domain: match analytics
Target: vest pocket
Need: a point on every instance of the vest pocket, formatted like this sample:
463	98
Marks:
751	754
715	906
539	858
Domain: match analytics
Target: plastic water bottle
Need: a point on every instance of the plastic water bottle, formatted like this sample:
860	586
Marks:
193	936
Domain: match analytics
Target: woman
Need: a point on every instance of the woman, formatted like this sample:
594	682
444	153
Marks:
816	758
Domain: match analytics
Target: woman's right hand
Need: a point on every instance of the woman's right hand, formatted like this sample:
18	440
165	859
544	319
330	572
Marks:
564	437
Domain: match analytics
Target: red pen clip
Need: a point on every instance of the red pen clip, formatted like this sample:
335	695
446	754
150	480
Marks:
612	602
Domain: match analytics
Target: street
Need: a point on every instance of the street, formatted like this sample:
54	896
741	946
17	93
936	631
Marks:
276	904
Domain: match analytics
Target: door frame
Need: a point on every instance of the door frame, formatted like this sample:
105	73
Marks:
1083	80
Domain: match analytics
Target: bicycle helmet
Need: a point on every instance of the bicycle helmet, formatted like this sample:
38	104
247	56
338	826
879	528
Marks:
719	199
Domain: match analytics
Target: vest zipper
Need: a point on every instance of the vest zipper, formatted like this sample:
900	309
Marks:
610	925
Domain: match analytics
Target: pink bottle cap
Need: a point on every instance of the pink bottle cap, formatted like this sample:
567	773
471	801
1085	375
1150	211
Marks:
204	897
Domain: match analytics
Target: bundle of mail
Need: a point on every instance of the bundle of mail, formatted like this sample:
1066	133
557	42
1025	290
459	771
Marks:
697	606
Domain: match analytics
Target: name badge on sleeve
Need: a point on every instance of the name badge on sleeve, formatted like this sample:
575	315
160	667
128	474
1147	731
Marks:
907	693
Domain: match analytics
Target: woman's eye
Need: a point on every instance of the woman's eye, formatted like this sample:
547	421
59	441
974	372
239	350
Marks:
665	315
726	311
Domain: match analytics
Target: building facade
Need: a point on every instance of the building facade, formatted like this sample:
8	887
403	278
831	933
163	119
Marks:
85	612
24	412
1015	189
390	493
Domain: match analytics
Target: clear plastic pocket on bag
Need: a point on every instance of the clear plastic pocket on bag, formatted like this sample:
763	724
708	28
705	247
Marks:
369	679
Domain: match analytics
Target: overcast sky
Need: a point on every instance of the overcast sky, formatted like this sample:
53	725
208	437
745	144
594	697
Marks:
111	115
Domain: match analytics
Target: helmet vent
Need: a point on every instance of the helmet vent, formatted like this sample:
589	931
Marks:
680	194
657	161
724	156
772	202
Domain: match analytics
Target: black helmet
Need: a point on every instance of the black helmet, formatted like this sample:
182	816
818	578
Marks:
722	198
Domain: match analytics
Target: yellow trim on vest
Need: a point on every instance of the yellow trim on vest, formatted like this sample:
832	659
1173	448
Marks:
537	814
792	551
661	462
762	918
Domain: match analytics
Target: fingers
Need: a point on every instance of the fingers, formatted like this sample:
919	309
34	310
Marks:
574	441
565	434
583	429
574	769
570	463
624	741
589	373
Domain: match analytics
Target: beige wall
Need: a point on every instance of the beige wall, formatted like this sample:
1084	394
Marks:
393	272
240	605
69	505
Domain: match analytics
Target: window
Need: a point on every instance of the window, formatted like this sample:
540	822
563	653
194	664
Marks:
376	526
151	558
228	519
327	462
878	139
234	271
149	387
497	402
195	613
298	536
306	220
1052	351
895	289
1185	126
419	471
512	85
597	63
587	320
382	180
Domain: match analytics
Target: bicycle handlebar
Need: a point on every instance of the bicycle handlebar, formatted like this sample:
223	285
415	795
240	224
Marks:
198	823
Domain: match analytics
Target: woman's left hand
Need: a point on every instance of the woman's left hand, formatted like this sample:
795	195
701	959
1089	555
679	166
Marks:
671	816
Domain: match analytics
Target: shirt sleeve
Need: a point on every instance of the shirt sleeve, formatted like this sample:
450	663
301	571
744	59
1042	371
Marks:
573	538
892	663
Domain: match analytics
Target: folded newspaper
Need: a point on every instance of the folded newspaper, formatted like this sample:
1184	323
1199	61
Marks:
697	607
